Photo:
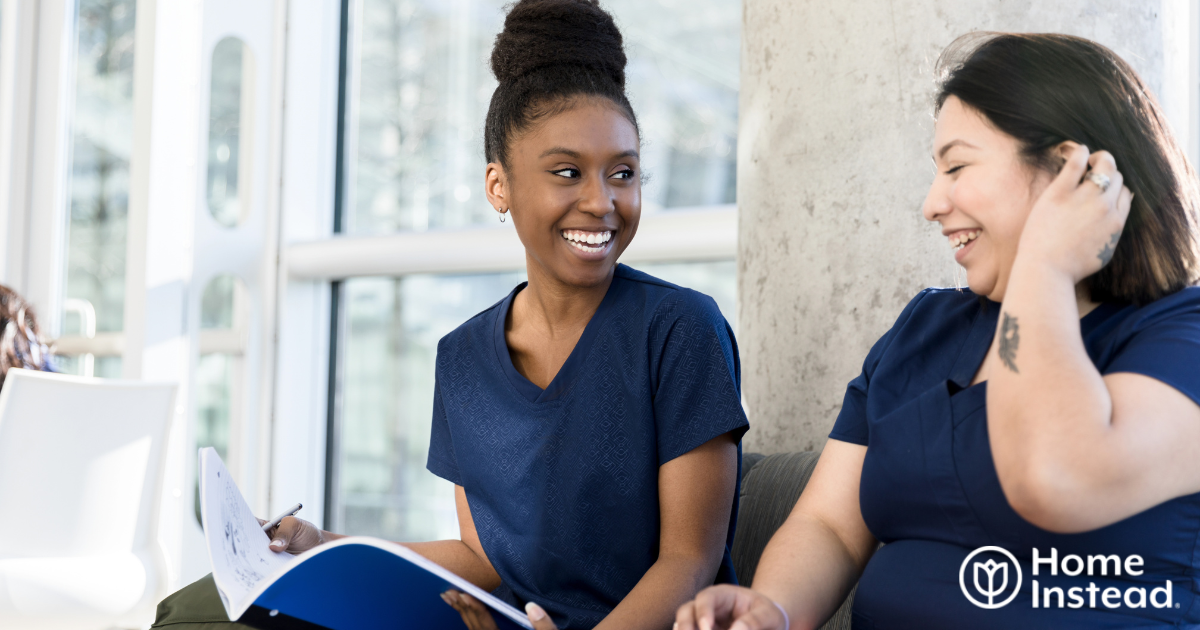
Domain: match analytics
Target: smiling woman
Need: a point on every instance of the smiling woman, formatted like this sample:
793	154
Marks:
591	399
591	420
1054	406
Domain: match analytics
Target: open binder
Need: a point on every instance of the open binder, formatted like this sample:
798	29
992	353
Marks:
355	583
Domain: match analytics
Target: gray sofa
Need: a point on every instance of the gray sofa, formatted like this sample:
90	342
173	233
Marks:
771	484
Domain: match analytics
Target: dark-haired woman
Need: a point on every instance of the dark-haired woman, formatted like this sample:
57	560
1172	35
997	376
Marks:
1051	409
591	420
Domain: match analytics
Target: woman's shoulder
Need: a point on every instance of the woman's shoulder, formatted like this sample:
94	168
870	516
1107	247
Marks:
937	305
1160	340
1174	317
475	331
1182	304
662	300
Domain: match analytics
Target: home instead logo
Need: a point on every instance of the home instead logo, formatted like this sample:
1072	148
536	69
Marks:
994	571
990	577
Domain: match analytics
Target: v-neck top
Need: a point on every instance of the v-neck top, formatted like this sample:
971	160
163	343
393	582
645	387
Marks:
930	492
570	368
563	482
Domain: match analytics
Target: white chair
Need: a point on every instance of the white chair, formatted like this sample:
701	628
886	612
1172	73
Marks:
81	466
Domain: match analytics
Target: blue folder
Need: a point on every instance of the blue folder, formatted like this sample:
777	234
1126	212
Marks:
360	584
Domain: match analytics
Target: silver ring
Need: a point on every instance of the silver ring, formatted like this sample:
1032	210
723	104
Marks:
1099	179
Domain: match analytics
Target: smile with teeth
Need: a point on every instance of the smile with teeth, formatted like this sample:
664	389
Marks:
587	241
959	240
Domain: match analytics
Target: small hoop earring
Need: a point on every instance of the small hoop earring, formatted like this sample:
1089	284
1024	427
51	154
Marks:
502	215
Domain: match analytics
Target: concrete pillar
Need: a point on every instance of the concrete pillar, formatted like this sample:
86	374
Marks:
834	163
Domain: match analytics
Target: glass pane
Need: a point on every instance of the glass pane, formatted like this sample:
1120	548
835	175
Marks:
421	91
217	302
682	80
102	367
421	86
392	329
101	136
219	375
230	107
214	385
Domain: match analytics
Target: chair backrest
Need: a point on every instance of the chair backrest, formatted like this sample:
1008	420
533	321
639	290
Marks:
771	485
81	464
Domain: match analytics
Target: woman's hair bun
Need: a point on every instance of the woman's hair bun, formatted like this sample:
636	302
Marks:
543	33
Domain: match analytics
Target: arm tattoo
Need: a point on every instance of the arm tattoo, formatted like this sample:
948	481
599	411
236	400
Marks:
1010	338
1106	254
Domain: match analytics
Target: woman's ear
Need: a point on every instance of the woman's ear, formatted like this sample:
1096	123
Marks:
1060	153
495	187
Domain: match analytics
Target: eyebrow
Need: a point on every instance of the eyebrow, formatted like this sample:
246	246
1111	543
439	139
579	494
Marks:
577	155
954	143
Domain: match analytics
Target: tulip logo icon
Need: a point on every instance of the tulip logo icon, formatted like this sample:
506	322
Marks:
990	578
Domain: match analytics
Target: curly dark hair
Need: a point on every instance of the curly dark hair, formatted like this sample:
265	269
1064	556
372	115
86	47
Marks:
20	343
1045	88
550	53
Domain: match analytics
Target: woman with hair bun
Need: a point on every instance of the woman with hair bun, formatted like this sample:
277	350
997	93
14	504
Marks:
1025	450
591	420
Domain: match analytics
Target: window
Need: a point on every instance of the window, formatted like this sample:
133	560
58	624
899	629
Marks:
101	142
420	84
417	87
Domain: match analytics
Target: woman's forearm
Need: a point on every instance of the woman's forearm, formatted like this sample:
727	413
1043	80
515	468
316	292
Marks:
460	560
1049	411
651	605
454	555
809	570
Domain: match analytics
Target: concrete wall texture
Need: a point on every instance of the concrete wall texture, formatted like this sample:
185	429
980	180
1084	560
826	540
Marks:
833	166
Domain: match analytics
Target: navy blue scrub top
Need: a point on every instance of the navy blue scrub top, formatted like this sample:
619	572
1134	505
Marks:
563	482
929	489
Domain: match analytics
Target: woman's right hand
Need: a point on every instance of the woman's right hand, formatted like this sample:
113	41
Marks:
728	607
296	535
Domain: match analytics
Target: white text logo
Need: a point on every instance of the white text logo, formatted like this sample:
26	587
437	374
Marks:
990	578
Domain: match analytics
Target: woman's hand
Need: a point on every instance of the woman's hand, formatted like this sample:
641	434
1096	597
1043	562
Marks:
296	535
1074	226
728	607
479	617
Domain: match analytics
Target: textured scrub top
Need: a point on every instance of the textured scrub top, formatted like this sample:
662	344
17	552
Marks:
929	489
563	482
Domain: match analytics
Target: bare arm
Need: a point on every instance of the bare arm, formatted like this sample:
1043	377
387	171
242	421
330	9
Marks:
695	494
811	563
465	557
825	534
1075	450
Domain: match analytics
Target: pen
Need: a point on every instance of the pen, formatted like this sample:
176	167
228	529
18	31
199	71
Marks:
275	521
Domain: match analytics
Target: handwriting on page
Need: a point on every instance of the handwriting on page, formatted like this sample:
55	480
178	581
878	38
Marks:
237	545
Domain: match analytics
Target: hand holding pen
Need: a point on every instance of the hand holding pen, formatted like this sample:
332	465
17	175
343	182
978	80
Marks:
295	535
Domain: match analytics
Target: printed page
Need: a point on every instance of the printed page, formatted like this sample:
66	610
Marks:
237	545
